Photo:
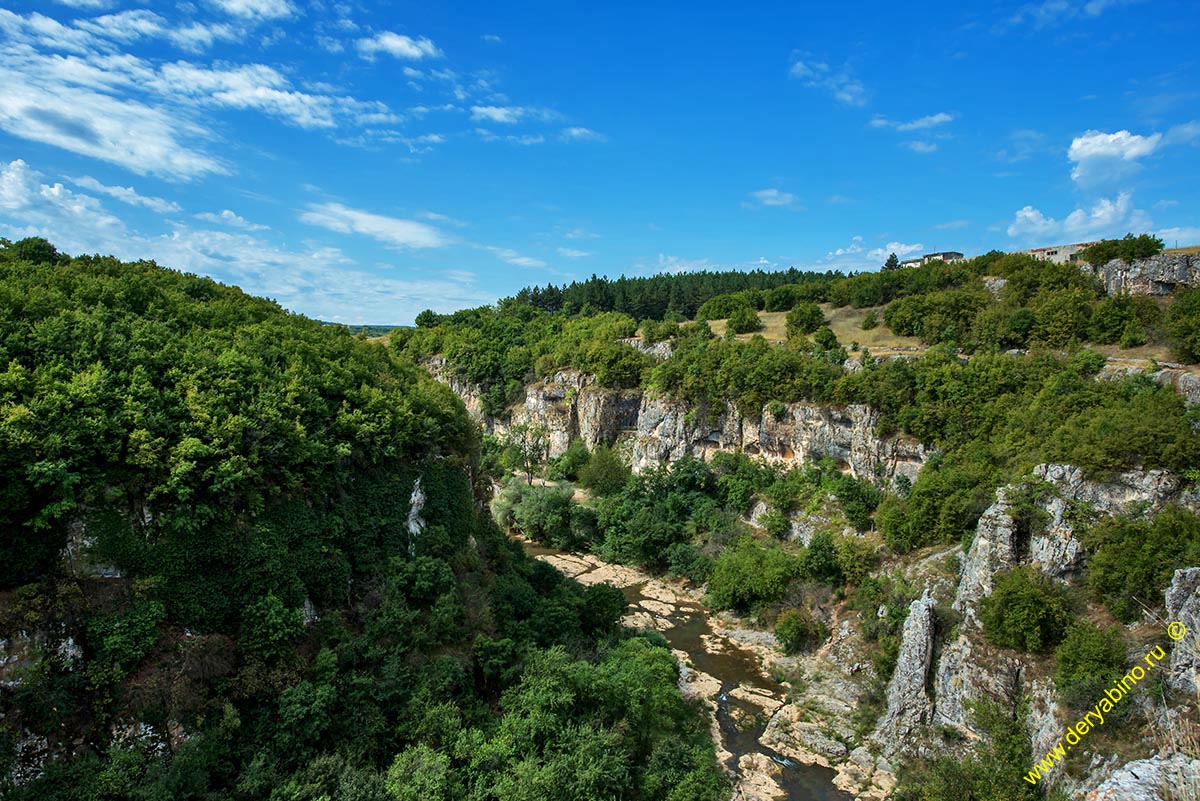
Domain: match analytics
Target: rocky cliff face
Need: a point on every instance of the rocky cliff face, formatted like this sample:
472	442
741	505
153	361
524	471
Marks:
667	430
1157	275
570	404
1183	605
909	706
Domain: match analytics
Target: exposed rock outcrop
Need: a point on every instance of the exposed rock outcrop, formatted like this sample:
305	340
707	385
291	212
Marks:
1156	275
667	430
1160	778
1183	606
994	548
909	706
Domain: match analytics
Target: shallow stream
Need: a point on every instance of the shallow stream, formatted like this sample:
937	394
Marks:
741	723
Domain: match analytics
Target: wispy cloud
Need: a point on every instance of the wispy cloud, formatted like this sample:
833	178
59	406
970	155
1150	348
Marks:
572	253
577	134
840	83
901	249
580	233
922	147
127	194
952	225
397	45
392	231
255	9
510	256
773	197
227	217
1050	13
919	124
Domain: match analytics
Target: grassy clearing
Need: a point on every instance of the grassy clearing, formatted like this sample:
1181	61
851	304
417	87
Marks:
845	322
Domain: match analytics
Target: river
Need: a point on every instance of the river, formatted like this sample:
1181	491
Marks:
725	672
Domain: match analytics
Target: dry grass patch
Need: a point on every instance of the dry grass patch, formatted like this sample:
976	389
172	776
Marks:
845	322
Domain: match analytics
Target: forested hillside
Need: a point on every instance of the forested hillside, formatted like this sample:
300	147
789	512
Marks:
242	559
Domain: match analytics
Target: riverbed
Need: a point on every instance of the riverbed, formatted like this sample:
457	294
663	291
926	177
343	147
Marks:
726	672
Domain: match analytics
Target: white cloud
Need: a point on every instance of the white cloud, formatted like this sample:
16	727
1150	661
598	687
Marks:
1183	134
227	217
502	114
255	9
398	45
85	3
442	218
578	134
1184	236
840	83
952	225
674	264
47	209
773	197
38	29
492	38
1049	13
1101	157
901	249
523	139
392	231
572	253
1106	217
127	194
580	233
1029	221
921	147
511	256
921	123
311	279
1101	217
35	104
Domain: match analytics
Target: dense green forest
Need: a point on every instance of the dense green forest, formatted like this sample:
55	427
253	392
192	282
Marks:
242	558
990	415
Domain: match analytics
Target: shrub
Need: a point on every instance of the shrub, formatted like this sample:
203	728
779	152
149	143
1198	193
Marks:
744	320
856	557
604	473
820	560
804	318
685	559
871	320
748	573
571	462
1027	611
1088	660
1183	325
1136	559
796	630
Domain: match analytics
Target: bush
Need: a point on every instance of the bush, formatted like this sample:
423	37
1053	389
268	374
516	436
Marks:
1027	611
871	320
796	630
1183	324
685	559
744	320
1088	660
856	557
571	462
804	318
1136	559
604	473
820	560
1131	247
748	573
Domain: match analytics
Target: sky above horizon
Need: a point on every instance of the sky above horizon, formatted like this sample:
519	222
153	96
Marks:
360	162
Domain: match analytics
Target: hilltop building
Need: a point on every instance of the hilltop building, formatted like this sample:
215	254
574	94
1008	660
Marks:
1059	254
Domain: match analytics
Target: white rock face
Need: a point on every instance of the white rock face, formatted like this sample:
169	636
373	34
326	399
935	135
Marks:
909	706
667	430
994	548
1161	778
1183	605
415	523
1157	275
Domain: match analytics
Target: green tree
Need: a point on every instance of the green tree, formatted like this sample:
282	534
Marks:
1027	611
892	263
527	445
804	318
605	473
744	320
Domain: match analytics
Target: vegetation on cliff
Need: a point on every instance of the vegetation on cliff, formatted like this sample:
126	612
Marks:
277	582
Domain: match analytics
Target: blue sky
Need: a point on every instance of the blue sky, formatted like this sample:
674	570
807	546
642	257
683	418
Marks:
360	161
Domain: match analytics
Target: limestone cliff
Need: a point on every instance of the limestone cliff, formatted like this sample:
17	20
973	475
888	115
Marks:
1157	275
